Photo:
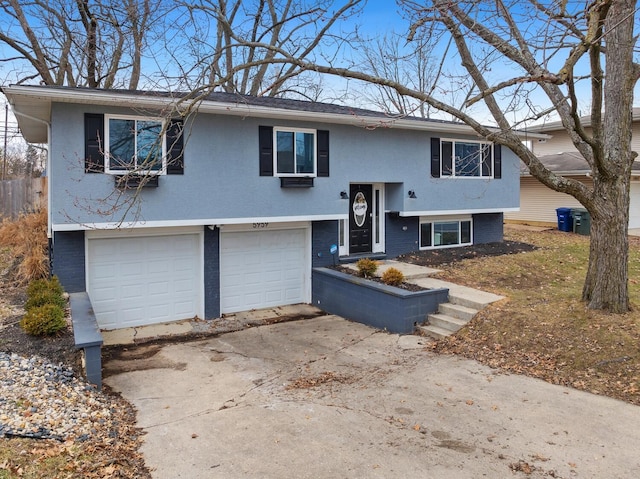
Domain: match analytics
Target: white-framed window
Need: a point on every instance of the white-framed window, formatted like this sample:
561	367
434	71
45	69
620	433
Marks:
466	158
445	232
294	152
134	145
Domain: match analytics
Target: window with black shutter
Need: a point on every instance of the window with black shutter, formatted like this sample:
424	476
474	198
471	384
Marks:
465	158
293	153
131	145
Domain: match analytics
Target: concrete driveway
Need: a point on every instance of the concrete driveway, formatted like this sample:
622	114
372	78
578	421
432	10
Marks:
328	398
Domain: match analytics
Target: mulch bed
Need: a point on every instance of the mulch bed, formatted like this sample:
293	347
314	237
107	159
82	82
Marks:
377	279
439	257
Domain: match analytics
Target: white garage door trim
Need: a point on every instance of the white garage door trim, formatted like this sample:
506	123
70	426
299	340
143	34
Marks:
243	290
180	298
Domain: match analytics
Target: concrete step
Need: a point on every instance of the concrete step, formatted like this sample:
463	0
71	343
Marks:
433	331
468	301
457	311
444	321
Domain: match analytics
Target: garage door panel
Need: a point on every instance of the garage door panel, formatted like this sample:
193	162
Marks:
103	271
131	268
132	292
160	311
158	266
253	278
182	287
132	314
158	287
292	294
144	280
274	296
132	247
261	269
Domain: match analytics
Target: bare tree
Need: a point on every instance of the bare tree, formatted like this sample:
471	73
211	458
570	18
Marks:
226	39
515	52
388	57
98	44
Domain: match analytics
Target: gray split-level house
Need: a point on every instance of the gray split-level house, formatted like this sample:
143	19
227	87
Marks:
243	196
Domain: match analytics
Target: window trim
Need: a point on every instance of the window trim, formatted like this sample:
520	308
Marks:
453	141
134	171
314	151
445	219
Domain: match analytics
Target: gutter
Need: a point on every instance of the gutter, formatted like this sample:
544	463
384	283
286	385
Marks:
99	97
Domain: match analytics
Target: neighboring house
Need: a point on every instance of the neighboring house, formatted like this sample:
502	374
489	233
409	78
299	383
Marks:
538	203
241	199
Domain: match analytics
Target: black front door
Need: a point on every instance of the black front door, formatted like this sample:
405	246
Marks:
360	218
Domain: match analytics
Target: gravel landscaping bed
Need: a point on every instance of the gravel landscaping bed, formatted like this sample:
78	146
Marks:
47	401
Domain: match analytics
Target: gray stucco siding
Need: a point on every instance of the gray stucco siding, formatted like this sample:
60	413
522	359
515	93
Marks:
221	177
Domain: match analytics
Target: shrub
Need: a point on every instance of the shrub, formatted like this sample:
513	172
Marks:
393	277
39	286
44	291
44	320
367	267
45	297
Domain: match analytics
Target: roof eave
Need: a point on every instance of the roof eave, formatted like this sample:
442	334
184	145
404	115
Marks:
21	96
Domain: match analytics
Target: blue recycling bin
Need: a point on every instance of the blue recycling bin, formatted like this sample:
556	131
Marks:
565	221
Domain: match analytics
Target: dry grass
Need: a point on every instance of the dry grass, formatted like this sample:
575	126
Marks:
543	329
27	237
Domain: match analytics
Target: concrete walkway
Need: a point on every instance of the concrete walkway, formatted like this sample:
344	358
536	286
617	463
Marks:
422	276
329	398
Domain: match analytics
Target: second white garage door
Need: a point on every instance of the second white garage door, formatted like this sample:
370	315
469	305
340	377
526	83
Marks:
263	268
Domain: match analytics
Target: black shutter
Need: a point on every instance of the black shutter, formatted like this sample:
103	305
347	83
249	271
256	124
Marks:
93	143
265	142
174	139
435	157
497	161
323	152
447	158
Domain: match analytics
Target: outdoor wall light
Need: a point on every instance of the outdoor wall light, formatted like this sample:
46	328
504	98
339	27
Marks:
344	195
412	194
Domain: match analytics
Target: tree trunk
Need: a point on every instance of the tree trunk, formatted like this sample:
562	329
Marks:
606	284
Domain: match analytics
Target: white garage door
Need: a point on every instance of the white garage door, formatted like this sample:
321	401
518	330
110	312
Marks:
261	269
143	280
